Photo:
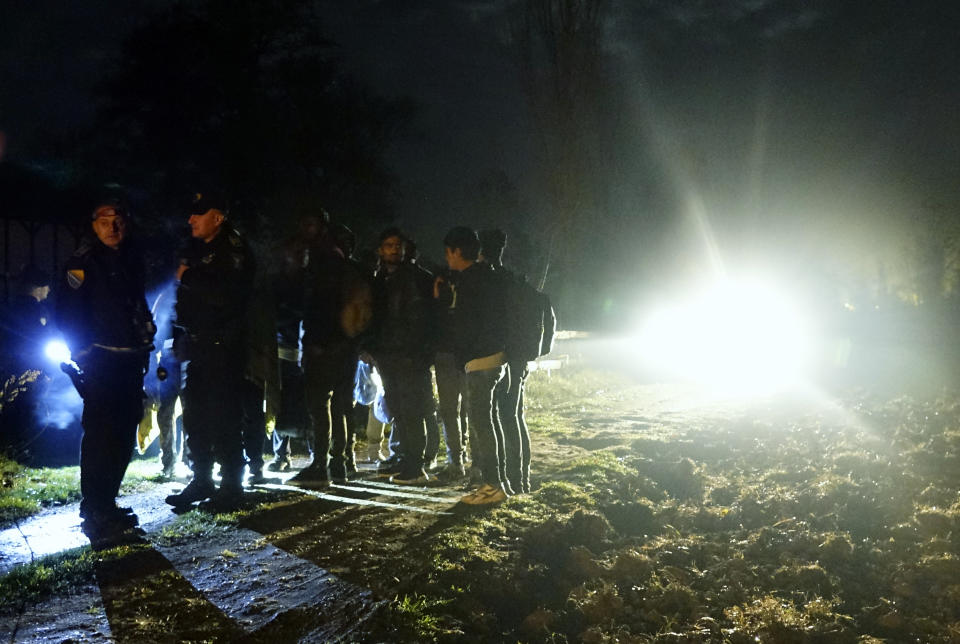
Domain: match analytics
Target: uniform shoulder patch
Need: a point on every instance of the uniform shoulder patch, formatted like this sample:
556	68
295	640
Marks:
75	277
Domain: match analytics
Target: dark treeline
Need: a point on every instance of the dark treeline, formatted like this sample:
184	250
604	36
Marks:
248	98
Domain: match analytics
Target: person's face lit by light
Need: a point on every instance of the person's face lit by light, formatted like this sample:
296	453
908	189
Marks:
391	251
206	226
109	227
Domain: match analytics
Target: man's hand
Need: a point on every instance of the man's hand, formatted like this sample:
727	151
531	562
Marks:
181	269
437	283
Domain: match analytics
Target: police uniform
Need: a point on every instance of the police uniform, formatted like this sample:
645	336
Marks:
210	317
103	314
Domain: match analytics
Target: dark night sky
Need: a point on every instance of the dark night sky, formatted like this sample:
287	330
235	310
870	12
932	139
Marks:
822	127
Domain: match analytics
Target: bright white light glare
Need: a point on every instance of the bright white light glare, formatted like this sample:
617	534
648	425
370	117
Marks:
742	336
57	351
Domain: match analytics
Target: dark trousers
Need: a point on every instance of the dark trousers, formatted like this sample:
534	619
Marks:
508	404
211	413
112	409
451	389
484	432
409	395
253	424
328	385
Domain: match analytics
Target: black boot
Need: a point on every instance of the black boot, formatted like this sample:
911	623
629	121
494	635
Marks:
199	489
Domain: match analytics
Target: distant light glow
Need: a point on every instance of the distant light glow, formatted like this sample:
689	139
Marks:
57	351
743	336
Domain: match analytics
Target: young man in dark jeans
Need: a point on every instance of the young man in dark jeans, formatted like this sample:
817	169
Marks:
401	345
479	346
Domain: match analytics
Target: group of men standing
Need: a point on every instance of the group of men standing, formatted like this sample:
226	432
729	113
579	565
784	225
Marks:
402	319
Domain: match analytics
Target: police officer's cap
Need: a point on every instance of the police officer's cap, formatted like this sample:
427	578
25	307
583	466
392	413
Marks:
202	202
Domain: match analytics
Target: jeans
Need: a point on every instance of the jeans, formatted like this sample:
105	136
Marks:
451	389
508	400
484	432
409	395
328	383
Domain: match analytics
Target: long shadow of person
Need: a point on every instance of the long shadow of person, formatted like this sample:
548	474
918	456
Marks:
147	600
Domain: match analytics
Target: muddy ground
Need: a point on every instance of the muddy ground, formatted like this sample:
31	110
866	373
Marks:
658	514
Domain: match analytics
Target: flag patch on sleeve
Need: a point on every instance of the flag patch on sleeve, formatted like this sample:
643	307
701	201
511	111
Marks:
75	277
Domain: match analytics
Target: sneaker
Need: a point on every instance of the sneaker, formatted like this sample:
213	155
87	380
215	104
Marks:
414	477
385	463
451	473
196	490
486	494
279	464
169	472
257	478
310	477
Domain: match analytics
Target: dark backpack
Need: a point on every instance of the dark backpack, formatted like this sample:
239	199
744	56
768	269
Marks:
531	321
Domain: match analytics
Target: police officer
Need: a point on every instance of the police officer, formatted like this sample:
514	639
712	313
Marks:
103	314
216	278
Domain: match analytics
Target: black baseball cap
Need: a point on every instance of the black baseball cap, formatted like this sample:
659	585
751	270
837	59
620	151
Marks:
201	202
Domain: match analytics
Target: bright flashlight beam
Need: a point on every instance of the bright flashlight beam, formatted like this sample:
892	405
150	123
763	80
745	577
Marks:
736	335
57	351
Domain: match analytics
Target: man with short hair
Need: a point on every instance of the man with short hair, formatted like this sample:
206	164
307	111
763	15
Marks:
401	346
479	346
508	396
329	362
216	278
103	314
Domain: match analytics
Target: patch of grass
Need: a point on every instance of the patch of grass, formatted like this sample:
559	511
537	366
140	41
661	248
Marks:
563	496
413	616
195	524
55	574
596	467
24	491
141	475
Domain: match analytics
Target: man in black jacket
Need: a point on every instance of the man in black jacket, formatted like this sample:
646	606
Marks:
103	314
216	278
401	346
329	362
479	346
508	397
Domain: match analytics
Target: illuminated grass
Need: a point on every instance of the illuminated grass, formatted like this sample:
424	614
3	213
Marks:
25	491
58	574
193	525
